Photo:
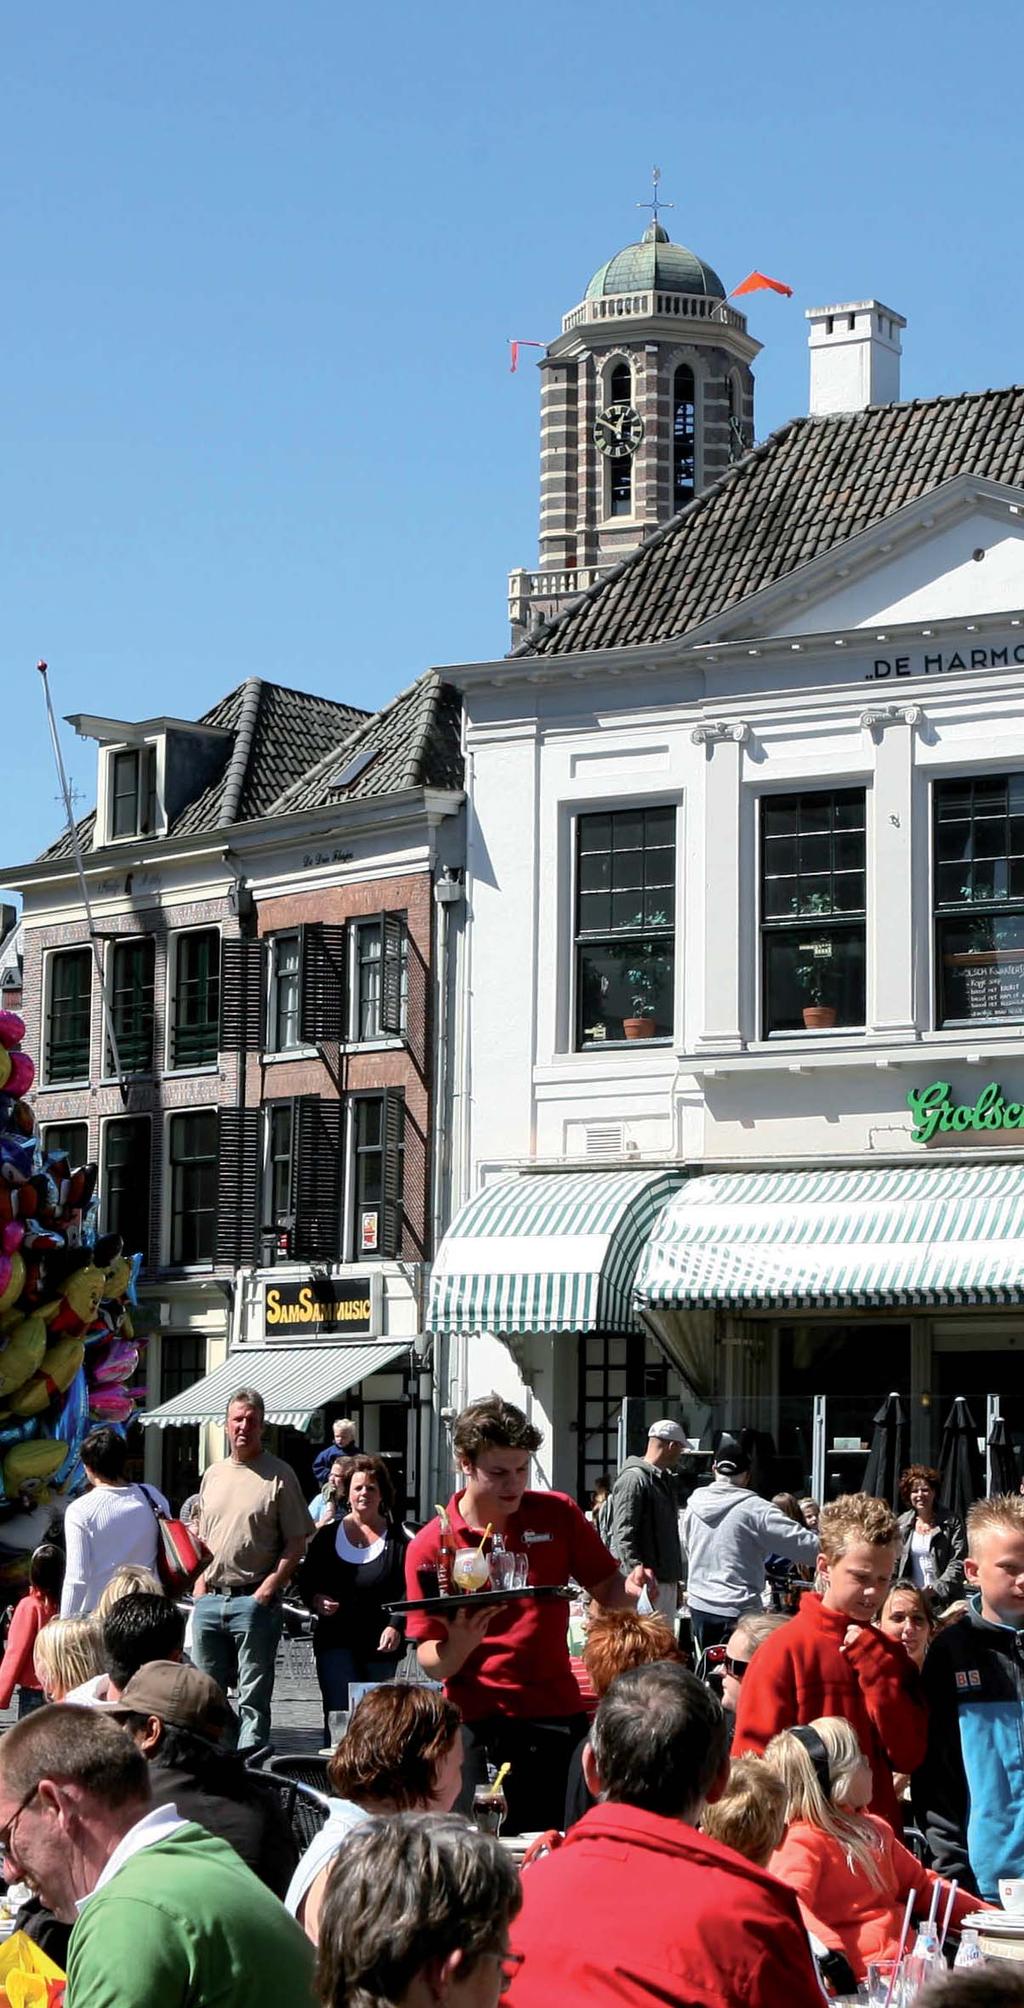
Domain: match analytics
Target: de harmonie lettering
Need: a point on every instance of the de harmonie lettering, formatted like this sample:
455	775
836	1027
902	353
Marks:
940	661
308	1309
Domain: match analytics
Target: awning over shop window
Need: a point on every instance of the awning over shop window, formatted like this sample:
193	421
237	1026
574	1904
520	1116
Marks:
295	1381
925	1234
550	1252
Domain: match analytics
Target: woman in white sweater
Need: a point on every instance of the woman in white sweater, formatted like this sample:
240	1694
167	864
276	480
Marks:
111	1524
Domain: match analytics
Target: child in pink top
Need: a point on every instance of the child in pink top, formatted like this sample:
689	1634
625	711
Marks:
35	1609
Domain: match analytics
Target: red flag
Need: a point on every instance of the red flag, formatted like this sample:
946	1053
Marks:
758	282
514	348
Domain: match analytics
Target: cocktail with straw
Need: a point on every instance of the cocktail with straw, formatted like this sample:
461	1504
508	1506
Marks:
490	1806
470	1568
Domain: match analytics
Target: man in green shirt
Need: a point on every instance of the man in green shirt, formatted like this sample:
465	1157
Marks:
163	1913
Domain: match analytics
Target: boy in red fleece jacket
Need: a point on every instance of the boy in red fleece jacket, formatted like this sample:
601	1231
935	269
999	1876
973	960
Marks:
831	1660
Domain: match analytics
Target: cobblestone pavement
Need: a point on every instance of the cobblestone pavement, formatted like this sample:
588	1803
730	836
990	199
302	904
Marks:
297	1716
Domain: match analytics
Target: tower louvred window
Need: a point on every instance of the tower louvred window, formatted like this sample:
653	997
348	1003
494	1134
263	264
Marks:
683	436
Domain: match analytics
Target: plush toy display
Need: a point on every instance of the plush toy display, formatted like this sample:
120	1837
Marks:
67	1345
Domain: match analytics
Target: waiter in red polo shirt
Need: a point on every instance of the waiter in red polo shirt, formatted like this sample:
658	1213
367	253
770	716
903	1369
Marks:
506	1666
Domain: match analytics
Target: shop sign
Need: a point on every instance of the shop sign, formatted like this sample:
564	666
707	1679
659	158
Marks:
338	1304
935	1112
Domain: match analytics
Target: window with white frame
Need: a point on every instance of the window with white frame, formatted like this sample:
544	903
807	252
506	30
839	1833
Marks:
813	919
279	1187
68	1015
70	1140
375	1174
132	792
195	998
125	1182
978	838
625	924
379	978
283	1018
131	987
192	1167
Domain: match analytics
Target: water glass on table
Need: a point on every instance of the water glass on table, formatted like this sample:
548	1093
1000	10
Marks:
887	1983
521	1574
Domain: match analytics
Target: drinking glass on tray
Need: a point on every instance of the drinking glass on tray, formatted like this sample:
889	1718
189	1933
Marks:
470	1570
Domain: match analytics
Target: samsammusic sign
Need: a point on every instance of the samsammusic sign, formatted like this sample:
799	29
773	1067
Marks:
336	1304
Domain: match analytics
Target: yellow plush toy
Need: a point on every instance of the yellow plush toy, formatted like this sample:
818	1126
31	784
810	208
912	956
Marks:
32	1463
15	1283
22	1346
60	1363
76	1307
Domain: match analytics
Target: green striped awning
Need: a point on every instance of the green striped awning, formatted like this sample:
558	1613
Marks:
924	1234
548	1252
295	1381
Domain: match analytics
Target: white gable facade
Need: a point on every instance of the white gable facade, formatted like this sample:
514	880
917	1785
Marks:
841	757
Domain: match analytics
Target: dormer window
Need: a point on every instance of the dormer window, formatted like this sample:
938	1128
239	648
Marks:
133	792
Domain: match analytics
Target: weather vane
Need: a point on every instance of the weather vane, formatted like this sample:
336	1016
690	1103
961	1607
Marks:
655	203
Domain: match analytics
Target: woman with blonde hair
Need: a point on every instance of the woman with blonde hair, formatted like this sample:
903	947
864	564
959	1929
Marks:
851	1875
69	1651
131	1581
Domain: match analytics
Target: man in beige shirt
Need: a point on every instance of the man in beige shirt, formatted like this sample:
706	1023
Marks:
253	1520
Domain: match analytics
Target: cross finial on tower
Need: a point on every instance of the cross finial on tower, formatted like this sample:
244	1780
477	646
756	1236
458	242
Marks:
655	203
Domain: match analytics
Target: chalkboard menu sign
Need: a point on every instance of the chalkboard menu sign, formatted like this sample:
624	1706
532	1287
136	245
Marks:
986	983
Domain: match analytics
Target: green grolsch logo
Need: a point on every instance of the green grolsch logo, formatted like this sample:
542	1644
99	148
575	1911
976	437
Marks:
933	1111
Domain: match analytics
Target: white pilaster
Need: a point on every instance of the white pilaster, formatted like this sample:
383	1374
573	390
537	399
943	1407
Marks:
893	1002
723	741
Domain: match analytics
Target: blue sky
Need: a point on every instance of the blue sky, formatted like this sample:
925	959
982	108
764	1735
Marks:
261	264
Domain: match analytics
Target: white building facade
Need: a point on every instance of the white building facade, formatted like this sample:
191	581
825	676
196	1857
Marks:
774	767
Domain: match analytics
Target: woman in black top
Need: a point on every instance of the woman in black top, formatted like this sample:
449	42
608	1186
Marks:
353	1567
933	1544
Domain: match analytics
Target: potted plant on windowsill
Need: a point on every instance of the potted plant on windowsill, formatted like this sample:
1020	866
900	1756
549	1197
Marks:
644	1023
817	981
644	978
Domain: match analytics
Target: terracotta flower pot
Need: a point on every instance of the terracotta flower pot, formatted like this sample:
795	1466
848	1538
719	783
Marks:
819	1017
642	1028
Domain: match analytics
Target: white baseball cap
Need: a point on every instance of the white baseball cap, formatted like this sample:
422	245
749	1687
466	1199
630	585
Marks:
668	1432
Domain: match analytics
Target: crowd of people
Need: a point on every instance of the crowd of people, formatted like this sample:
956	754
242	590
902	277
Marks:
714	1802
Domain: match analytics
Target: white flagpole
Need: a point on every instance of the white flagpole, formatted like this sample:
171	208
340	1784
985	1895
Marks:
94	939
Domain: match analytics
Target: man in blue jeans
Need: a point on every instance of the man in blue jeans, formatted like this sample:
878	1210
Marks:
253	1520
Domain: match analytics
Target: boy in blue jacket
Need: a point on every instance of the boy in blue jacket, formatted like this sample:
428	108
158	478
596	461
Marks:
969	1793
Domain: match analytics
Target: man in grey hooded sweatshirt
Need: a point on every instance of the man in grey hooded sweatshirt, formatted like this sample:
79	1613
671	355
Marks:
728	1534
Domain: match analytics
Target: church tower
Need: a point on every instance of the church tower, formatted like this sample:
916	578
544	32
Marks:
646	397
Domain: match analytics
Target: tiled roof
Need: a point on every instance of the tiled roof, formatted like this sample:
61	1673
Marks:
413	743
812	485
277	735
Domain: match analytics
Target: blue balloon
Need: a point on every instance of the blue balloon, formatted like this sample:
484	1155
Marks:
131	1295
71	1426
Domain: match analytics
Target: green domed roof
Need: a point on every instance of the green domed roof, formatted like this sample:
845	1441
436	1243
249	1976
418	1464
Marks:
656	263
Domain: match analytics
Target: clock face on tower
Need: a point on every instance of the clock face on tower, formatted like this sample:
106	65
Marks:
618	431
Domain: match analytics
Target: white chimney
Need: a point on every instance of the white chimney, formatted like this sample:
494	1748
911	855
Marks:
855	356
